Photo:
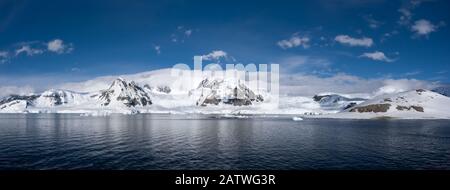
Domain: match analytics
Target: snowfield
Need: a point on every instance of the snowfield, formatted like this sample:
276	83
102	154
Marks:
415	104
185	92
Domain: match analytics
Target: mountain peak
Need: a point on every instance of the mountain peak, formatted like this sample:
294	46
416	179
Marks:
126	93
119	82
227	91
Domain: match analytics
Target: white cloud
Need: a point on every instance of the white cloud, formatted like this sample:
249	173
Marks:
294	41
188	32
405	17
215	55
32	48
28	50
347	40
174	39
401	85
181	34
4	56
406	10
373	23
304	63
75	69
18	90
412	73
388	35
157	49
308	85
377	56
58	46
416	3
423	27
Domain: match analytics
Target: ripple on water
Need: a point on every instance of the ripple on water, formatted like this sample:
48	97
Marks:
52	141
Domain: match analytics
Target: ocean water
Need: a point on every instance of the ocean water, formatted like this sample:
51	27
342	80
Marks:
163	141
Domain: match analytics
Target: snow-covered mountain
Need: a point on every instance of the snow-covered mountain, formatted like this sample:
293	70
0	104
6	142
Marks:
160	91
226	91
123	96
29	98
415	104
16	103
51	98
122	93
118	97
15	106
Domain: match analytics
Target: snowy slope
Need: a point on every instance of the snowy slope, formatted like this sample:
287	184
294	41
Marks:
415	104
15	106
16	103
51	98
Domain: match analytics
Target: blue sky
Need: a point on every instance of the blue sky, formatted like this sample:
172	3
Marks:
47	42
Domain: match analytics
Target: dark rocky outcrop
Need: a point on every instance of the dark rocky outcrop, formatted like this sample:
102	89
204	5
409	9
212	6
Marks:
162	89
419	91
56	97
372	108
404	108
350	105
15	98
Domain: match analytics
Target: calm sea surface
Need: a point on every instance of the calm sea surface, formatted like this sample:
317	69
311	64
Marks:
157	141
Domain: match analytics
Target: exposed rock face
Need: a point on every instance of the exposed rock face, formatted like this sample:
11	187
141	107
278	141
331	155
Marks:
372	108
259	98
417	108
420	91
227	92
126	93
164	89
350	105
11	98
160	89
